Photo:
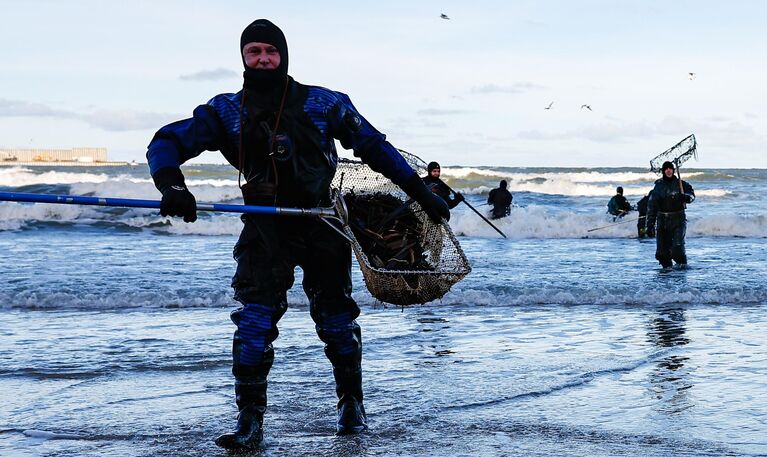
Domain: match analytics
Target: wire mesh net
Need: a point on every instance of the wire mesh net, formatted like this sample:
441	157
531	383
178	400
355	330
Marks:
678	154
404	256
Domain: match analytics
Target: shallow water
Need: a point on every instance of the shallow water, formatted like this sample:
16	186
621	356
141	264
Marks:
529	355
115	337
562	380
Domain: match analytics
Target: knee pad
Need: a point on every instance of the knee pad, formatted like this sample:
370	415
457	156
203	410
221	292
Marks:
341	334
254	324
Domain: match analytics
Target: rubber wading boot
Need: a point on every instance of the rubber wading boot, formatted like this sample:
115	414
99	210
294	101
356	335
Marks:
351	417
249	432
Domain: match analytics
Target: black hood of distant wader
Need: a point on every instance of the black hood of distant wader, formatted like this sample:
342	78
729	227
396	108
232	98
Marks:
666	165
265	81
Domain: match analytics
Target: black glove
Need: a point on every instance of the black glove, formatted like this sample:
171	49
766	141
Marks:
649	226
649	230
687	198
459	197
176	198
432	203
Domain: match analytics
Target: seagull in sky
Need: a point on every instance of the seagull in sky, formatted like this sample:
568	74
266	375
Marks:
549	107
444	16
588	107
691	76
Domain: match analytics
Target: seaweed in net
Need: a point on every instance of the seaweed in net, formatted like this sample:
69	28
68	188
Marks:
388	231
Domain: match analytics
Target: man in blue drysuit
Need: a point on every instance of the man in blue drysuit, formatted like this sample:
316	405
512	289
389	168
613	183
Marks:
279	134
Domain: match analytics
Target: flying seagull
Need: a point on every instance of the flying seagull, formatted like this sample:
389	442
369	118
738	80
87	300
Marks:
549	107
691	76
444	16
588	107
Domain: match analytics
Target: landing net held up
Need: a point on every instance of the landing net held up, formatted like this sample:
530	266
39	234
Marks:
404	256
678	154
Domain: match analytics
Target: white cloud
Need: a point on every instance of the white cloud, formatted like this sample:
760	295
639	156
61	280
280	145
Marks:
210	75
441	112
120	121
516	88
110	120
21	108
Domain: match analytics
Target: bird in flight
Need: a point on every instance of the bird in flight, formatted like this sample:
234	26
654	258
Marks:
549	107
444	16
588	107
691	76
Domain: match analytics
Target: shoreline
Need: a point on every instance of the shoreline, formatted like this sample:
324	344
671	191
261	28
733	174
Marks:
64	164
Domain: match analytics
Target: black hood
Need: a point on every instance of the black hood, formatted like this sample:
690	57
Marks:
265	81
666	165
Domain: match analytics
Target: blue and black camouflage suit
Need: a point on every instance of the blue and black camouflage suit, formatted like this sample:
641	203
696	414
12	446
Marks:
297	173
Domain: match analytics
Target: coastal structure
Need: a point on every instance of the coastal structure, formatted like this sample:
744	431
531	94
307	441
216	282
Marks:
81	156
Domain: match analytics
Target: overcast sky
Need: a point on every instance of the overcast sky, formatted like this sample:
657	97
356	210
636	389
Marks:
469	90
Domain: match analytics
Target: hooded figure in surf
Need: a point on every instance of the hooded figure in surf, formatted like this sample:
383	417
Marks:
501	200
618	206
278	133
666	216
642	209
436	185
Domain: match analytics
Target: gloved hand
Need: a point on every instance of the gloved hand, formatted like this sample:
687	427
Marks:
178	201
687	198
176	198
649	231
432	203
459	197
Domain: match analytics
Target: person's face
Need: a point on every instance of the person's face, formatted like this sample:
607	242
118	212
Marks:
669	172
435	173
261	56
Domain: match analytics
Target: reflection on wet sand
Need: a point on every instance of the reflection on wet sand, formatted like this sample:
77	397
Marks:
669	379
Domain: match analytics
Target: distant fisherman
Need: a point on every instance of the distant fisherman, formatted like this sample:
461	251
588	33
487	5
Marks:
437	186
618	206
666	205
501	199
642	208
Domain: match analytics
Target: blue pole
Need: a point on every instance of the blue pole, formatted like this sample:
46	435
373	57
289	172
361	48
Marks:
155	204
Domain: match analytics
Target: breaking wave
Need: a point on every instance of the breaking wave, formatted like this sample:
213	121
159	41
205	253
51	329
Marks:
545	217
463	294
533	222
573	176
604	296
539	222
573	189
215	186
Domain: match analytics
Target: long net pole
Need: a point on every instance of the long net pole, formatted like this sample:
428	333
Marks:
155	204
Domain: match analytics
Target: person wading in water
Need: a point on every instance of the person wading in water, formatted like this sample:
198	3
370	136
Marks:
279	134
